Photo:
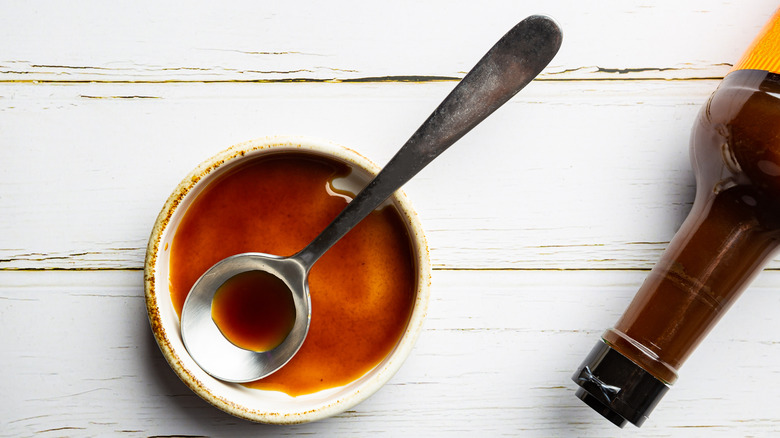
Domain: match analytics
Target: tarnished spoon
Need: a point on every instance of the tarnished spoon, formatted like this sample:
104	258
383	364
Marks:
510	65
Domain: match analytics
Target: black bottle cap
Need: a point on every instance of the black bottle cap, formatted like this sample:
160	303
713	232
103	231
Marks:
616	387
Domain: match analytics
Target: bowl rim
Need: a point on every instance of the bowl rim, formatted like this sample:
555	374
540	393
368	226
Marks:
201	383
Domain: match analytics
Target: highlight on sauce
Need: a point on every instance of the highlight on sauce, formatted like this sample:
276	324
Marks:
362	290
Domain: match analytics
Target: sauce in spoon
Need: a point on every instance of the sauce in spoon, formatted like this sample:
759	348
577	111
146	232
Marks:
254	310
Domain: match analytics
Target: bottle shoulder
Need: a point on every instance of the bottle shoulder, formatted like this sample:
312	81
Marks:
735	144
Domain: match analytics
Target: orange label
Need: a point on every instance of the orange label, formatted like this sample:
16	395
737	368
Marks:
764	51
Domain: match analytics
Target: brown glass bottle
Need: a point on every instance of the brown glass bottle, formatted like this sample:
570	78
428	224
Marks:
731	231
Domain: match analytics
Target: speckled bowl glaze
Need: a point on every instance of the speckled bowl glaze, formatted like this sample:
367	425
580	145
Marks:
253	404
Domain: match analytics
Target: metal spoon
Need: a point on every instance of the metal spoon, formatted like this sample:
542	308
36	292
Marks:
509	66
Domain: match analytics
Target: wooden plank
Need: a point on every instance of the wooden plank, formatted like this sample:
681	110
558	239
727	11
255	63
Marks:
86	168
495	358
568	175
146	41
84	178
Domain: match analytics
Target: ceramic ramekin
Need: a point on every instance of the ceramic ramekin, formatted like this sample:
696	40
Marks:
253	404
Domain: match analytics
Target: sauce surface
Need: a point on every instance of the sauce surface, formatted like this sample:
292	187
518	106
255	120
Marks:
362	289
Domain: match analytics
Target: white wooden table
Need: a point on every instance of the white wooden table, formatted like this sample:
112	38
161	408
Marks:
542	222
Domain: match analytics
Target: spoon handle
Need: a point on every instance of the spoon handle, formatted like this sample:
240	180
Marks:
517	58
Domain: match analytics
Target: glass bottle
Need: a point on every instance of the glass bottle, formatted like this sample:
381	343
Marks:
730	233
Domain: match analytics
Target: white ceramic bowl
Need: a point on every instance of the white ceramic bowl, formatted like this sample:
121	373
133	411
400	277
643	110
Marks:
254	404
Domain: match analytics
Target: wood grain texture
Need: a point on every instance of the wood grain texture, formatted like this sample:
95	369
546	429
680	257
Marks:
570	175
146	41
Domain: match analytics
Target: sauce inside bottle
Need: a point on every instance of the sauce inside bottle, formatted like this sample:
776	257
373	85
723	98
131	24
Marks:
254	310
362	290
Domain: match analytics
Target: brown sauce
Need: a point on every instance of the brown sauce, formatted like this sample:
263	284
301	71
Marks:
362	289
254	310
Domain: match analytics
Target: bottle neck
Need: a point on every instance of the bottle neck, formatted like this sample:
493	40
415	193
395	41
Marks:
710	261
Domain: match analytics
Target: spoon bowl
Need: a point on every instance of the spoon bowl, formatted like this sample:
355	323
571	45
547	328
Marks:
210	348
